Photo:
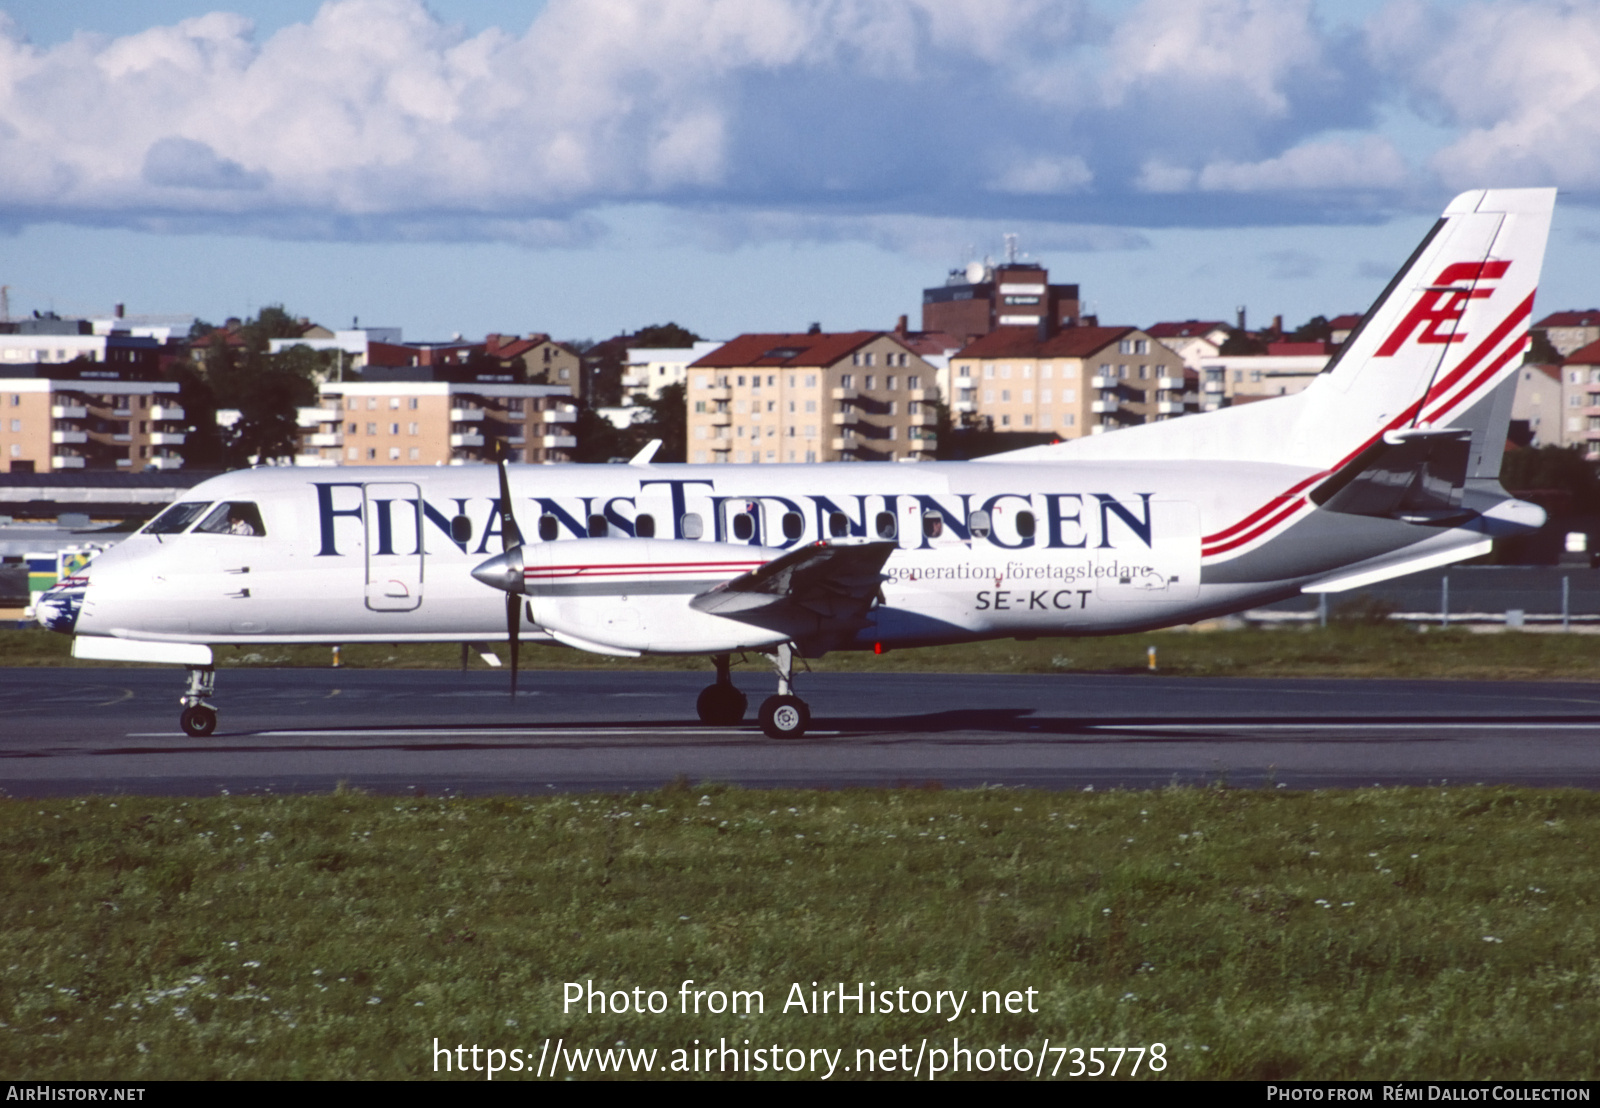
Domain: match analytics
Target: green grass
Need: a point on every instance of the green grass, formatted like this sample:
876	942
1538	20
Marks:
1257	935
1353	650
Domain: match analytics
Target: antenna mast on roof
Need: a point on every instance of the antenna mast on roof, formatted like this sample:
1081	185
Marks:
1011	249
5	303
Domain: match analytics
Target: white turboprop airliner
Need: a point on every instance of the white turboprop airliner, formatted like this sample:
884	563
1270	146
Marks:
1387	464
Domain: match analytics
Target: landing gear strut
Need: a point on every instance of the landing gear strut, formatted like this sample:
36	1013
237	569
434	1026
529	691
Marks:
199	719
722	703
784	716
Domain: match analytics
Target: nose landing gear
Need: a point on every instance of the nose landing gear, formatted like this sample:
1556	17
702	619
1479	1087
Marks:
198	718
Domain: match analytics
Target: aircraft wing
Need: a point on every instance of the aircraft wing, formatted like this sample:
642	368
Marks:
820	594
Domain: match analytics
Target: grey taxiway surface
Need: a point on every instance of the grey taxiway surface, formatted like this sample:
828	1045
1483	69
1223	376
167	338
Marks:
67	731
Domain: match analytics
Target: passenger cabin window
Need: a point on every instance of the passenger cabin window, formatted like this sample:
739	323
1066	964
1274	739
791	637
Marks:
933	525
979	523
597	527
177	518
644	526
838	524
886	527
793	525
691	526
232	517
743	527
547	528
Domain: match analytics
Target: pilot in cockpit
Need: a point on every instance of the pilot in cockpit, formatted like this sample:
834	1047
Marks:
235	517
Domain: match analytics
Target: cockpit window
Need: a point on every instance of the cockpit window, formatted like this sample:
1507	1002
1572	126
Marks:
176	518
232	517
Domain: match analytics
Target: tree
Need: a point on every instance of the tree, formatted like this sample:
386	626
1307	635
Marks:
668	420
1540	352
1553	469
1242	342
202	440
664	334
599	440
266	389
272	322
1315	329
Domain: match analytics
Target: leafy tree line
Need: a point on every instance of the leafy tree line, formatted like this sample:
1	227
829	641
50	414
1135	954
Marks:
231	368
234	370
665	418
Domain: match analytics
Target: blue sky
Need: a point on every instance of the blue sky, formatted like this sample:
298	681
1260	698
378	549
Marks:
589	166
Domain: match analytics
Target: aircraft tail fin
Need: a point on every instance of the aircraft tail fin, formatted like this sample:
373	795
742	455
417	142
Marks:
1449	329
1436	343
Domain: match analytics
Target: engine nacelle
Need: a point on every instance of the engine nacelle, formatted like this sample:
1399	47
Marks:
630	596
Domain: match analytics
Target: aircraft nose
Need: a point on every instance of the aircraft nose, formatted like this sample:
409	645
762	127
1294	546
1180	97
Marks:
58	607
503	571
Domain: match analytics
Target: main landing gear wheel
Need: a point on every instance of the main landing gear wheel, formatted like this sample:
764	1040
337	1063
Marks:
784	717
198	721
721	705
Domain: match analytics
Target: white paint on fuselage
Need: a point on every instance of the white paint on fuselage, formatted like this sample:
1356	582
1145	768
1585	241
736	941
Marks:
1109	538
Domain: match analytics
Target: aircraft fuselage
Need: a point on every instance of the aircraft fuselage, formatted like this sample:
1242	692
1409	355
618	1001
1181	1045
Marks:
366	554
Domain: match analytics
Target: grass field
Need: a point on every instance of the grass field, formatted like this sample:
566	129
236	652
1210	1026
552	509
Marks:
1350	650
1252	934
1385	933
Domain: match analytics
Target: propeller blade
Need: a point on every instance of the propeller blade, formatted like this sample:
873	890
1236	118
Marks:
510	533
513	627
510	542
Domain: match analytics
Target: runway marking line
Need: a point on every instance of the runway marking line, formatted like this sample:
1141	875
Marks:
530	732
1377	724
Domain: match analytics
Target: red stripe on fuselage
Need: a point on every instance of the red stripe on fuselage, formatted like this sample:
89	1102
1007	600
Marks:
1266	517
640	569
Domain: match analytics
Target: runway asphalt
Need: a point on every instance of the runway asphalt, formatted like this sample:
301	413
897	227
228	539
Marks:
72	731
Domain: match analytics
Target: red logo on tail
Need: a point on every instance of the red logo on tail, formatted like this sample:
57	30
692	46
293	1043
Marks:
1444	303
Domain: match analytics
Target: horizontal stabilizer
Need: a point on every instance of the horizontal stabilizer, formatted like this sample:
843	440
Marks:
1416	476
1370	573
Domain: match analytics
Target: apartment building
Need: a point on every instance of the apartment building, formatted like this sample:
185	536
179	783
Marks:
815	397
1286	368
538	357
1568	332
649	369
358	347
56	418
1537	405
975	300
1192	339
1079	381
1580	400
405	416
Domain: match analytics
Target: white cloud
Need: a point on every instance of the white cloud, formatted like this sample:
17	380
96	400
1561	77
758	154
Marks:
184	163
1369	162
1046	176
375	114
1156	175
934	239
1520	81
1253	46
